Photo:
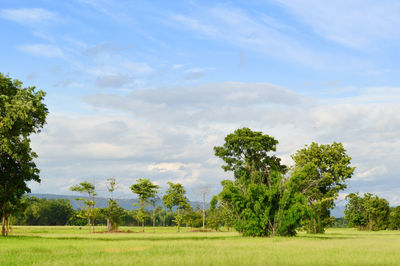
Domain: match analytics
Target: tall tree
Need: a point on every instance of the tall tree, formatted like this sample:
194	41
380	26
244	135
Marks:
22	112
320	172
146	191
112	216
86	188
262	199
175	196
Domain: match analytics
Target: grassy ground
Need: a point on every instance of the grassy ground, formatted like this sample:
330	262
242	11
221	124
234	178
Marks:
72	246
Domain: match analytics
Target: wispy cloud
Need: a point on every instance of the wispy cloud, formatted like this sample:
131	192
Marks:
356	24
254	31
42	50
28	15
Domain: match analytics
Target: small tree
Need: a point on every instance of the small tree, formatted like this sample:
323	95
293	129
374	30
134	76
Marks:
112	213
175	196
89	189
146	191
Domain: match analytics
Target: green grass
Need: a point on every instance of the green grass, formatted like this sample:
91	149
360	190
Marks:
72	246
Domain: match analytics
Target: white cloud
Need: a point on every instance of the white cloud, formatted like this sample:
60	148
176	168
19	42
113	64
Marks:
28	16
257	32
371	174
42	50
356	24
168	134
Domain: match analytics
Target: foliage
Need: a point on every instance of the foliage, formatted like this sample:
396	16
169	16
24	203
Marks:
47	212
262	200
146	191
368	212
175	196
320	172
90	211
394	218
113	212
22	112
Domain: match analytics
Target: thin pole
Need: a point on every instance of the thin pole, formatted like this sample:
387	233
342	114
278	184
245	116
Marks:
204	210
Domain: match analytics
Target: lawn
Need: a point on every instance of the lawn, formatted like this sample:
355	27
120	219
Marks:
72	246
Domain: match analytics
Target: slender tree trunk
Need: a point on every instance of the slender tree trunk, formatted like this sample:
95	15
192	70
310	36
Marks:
3	225
315	225
179	221
143	226
90	228
204	211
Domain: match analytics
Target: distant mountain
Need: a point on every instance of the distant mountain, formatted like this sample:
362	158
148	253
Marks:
127	204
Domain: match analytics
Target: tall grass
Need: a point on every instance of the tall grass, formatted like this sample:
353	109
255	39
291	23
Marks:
72	246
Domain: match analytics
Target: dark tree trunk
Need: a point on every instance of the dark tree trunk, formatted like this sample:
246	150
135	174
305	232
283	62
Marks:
3	225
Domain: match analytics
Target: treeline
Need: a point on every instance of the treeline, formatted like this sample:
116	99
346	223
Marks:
35	211
369	212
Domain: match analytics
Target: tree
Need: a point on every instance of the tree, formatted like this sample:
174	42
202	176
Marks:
263	201
175	196
320	172
22	112
112	210
146	191
89	189
394	218
368	212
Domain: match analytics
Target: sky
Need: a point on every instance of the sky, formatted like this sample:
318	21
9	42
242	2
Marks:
146	89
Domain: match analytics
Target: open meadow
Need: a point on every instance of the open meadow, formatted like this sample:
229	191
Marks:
65	245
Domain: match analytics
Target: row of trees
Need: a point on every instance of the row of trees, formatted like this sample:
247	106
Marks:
35	211
147	194
369	212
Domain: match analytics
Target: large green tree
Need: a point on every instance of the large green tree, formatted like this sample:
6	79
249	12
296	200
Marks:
320	172
262	199
146	191
175	196
22	113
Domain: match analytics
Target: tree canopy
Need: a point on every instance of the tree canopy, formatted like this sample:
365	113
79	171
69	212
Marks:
261	198
146	191
175	196
22	113
320	172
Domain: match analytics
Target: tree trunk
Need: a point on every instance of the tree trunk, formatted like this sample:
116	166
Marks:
143	226
3	225
179	221
108	225
90	228
315	225
204	211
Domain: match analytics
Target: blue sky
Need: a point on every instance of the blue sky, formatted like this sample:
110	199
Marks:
147	88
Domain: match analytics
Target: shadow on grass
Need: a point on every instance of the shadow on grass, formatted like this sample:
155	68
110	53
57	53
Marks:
152	238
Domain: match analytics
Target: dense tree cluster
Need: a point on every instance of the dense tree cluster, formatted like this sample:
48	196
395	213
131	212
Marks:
369	212
266	199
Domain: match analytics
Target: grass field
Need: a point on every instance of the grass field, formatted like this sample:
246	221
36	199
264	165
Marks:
71	246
